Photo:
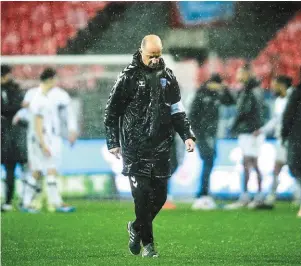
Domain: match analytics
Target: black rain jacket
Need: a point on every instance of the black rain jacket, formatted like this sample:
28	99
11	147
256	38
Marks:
291	131
13	138
204	111
250	109
141	115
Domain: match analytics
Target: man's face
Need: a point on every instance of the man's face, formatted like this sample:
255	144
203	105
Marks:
212	85
278	88
242	75
6	78
51	82
151	55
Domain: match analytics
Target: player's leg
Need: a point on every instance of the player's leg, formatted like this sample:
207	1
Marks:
169	204
10	185
203	200
244	198
207	149
25	172
53	195
55	201
254	161
296	171
271	197
32	184
158	195
277	169
32	188
253	154
141	228
259	197
54	198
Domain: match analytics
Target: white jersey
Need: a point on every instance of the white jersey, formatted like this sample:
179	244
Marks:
276	121
59	99
41	105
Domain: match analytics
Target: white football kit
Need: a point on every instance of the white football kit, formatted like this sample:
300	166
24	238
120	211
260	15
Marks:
275	124
250	144
49	105
42	106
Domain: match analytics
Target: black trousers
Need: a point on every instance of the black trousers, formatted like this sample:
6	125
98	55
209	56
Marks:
10	181
207	149
149	196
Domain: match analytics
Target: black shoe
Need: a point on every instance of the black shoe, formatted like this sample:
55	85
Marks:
149	251
134	242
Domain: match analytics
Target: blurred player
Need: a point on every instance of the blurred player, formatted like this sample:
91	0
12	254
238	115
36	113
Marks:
291	134
204	116
13	147
280	85
249	119
44	140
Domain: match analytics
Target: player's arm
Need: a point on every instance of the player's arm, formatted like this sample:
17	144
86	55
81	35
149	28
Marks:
269	126
248	104
115	108
72	125
21	116
71	119
27	98
290	112
38	122
13	107
179	119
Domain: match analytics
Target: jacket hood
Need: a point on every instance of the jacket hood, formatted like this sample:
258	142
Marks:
137	61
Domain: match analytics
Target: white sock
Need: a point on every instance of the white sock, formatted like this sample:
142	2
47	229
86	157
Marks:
30	190
274	185
53	194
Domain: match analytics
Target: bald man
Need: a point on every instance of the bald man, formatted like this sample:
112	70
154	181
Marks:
143	111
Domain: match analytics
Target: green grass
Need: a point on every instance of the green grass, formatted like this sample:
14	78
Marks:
96	235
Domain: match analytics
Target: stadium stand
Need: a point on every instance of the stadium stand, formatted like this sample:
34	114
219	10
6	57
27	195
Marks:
282	55
43	27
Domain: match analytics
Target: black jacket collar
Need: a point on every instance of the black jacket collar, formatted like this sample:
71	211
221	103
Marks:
137	61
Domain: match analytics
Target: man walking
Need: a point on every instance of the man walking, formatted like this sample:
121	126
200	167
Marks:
13	148
249	118
291	134
143	110
204	117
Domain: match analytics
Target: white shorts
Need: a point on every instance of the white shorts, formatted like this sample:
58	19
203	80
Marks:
281	152
38	161
250	144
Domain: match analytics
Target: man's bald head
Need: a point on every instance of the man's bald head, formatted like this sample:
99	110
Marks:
151	50
151	44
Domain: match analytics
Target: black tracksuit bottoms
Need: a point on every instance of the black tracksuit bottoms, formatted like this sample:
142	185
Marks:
149	195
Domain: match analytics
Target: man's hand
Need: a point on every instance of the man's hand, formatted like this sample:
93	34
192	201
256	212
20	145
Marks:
190	144
257	132
46	151
72	137
116	152
16	120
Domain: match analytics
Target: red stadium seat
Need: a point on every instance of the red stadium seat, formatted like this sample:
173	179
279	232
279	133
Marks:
283	52
35	24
